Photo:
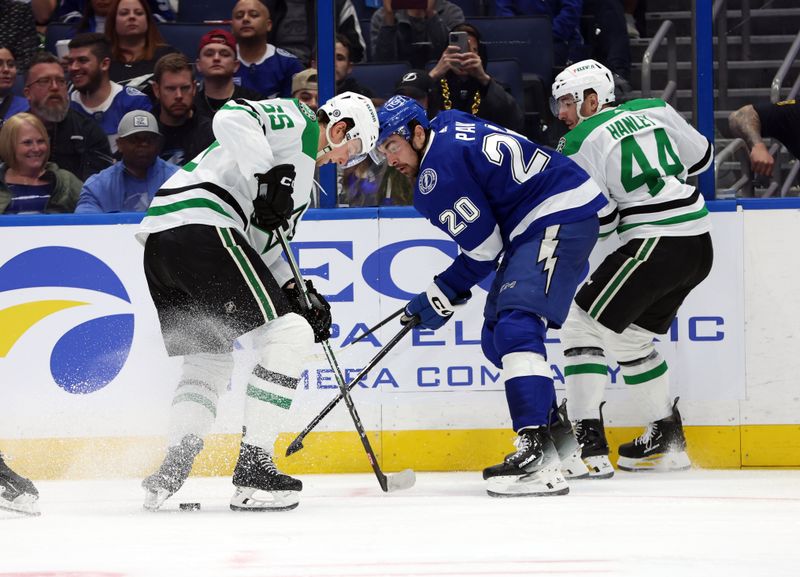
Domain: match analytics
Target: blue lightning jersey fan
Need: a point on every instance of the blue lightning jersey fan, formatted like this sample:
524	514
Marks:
491	189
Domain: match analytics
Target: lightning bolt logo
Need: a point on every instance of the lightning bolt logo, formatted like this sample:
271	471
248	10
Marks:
547	251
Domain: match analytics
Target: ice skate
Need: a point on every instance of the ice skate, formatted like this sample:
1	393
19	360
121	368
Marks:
662	447
260	486
569	451
591	435
173	472
533	471
17	493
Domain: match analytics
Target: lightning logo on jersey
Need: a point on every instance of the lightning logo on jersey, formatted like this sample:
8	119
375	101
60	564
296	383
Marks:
547	251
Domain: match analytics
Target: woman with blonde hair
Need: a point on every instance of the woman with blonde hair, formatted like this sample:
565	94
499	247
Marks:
136	43
29	184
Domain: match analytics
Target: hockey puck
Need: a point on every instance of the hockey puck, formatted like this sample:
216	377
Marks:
189	506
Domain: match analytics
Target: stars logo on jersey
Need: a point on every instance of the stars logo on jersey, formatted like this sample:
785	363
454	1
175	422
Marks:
307	112
427	180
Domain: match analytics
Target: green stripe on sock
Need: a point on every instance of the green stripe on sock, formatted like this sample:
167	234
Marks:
195	398
585	369
646	376
268	397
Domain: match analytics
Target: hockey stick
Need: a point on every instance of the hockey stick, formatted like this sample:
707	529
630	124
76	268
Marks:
297	444
392	482
346	348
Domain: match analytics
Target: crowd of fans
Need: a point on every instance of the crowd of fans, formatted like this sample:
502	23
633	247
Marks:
116	105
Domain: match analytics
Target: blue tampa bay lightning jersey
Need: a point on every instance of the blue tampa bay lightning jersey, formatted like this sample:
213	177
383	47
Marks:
120	101
489	188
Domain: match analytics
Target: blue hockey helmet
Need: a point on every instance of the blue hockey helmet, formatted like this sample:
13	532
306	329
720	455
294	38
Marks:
394	117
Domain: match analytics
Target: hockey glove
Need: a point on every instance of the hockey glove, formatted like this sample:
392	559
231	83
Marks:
435	306
273	206
318	316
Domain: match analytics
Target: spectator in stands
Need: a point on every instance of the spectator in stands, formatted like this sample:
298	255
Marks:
609	40
28	182
295	23
77	143
130	184
186	134
95	95
266	69
565	16
217	63
305	88
631	10
460	81
136	43
416	84
18	31
417	36
780	120
10	103
343	67
91	15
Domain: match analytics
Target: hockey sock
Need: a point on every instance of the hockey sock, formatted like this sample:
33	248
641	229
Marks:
272	385
586	375
529	389
648	381
194	406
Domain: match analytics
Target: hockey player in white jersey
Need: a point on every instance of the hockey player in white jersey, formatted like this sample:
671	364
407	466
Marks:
640	153
17	493
214	271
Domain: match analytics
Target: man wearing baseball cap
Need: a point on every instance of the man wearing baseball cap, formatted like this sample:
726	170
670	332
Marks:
129	185
415	84
217	63
305	88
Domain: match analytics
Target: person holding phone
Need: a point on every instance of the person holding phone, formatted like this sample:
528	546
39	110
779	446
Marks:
461	82
412	30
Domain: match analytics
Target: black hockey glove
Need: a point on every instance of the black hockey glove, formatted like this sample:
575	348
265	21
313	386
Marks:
273	206
318	316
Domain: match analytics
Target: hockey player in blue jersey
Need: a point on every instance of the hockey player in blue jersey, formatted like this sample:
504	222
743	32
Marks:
533	212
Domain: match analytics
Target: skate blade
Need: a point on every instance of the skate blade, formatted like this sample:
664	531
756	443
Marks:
659	463
573	467
542	483
154	499
599	467
400	481
25	504
258	500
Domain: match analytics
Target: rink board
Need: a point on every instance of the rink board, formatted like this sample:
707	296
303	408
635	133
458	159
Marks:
82	364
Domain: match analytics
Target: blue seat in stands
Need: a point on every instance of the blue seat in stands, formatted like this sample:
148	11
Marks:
58	31
186	37
507	71
525	38
202	10
470	8
380	77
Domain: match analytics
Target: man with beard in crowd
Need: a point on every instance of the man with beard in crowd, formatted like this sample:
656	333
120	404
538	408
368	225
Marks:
77	143
96	96
186	134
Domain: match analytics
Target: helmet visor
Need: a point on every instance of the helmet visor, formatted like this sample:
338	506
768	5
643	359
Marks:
562	103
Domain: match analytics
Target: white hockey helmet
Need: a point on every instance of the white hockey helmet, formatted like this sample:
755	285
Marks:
575	79
361	111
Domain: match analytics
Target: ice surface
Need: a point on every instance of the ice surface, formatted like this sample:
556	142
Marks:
709	523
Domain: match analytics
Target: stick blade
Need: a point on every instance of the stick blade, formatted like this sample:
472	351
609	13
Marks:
400	481
295	446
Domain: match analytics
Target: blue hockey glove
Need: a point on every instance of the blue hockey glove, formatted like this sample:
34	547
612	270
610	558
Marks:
435	306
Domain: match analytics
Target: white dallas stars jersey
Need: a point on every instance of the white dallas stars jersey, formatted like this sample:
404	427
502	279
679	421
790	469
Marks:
217	187
640	153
